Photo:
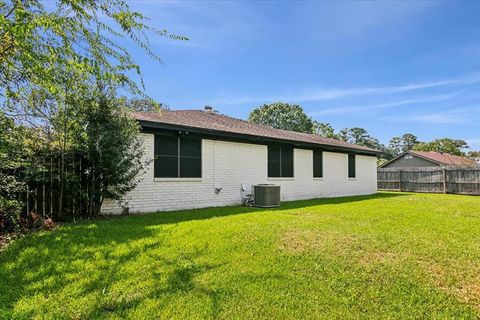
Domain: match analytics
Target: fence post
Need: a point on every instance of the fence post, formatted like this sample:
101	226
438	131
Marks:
444	180
400	180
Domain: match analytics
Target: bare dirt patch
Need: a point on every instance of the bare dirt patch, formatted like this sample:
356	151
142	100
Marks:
463	283
296	241
380	257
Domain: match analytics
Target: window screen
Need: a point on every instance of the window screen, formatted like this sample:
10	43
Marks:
287	162
280	161
190	158
351	166
166	156
177	157
274	161
317	164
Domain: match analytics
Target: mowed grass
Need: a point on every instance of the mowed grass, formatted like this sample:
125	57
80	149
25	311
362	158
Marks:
391	255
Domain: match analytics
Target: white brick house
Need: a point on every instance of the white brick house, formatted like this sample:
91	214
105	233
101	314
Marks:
203	159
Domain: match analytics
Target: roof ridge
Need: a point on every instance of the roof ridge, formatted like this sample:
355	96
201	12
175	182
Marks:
442	157
282	130
204	119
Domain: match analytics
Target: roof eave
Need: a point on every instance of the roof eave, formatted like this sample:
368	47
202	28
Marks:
145	124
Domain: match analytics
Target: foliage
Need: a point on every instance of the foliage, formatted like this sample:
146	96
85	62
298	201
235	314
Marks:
45	45
361	137
292	117
144	105
61	64
324	130
399	145
93	152
114	148
473	154
9	215
282	115
445	145
11	149
385	256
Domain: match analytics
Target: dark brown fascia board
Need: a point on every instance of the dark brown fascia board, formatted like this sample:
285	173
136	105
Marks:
152	127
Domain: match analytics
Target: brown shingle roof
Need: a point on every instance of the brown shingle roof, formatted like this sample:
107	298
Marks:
445	158
218	122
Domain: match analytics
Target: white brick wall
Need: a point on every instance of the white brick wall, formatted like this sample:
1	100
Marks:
228	165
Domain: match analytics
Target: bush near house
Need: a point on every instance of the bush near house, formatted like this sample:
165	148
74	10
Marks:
391	255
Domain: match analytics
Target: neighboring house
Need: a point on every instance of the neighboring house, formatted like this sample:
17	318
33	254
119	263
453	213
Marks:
204	159
416	159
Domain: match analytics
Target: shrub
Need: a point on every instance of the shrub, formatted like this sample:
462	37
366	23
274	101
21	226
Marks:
9	215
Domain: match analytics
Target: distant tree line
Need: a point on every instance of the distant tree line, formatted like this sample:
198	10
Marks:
292	117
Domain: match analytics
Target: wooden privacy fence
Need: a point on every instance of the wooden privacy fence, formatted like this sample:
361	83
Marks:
431	180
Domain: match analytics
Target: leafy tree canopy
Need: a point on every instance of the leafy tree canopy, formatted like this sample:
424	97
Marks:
473	154
361	137
402	144
446	145
61	63
112	145
144	104
282	115
45	45
324	129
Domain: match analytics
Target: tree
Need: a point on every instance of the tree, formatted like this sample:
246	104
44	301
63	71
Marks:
361	137
395	147
402	144
97	156
113	148
75	41
324	130
409	141
57	64
473	154
282	116
445	145
11	149
144	105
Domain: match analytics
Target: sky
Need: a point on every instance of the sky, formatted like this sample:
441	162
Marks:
389	67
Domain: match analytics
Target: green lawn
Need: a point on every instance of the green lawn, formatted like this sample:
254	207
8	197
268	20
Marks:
393	255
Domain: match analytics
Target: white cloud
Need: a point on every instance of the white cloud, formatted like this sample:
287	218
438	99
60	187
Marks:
349	109
465	116
324	94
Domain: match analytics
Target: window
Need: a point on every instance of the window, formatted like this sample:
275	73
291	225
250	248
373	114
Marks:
351	166
280	161
317	163
177	157
408	156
